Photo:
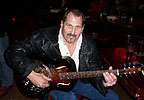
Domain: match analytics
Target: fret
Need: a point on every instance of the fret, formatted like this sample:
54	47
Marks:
87	74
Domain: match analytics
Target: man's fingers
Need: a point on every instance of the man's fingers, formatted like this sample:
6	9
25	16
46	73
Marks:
110	68
110	79
46	78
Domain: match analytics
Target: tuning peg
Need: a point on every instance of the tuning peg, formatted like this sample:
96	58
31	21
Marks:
125	74
129	64
134	73
124	65
130	73
124	69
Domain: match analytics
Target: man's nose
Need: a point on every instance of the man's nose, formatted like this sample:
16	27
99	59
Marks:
73	30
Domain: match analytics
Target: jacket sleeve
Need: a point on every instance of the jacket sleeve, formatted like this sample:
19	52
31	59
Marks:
18	53
98	81
92	64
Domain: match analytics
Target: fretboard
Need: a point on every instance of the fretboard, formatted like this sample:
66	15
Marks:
86	74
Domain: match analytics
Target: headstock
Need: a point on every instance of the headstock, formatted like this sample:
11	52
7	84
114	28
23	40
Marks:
131	70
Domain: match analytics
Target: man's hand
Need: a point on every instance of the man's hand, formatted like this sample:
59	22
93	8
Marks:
38	79
110	78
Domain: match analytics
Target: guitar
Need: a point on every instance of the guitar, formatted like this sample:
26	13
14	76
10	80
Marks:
64	75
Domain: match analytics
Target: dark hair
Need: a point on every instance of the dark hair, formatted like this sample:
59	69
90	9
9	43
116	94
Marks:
76	13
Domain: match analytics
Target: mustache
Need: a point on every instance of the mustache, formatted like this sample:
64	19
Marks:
70	34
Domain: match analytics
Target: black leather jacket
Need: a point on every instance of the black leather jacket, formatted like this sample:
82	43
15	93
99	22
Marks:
44	42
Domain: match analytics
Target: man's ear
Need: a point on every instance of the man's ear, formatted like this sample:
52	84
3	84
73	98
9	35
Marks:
83	27
62	23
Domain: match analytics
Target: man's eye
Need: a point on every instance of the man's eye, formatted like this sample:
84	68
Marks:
78	27
69	25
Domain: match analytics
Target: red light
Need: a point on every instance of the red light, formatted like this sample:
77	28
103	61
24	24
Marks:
121	52
13	19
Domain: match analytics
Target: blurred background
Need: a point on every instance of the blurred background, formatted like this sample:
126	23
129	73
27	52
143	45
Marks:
22	17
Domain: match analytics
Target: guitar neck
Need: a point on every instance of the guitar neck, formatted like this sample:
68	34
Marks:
86	74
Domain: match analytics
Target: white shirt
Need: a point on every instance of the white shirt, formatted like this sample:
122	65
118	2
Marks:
65	52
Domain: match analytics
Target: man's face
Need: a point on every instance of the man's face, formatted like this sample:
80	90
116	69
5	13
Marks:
72	28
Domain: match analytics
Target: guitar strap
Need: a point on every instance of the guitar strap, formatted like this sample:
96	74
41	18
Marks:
53	45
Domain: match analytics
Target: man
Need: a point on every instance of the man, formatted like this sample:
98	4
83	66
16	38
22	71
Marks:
55	42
